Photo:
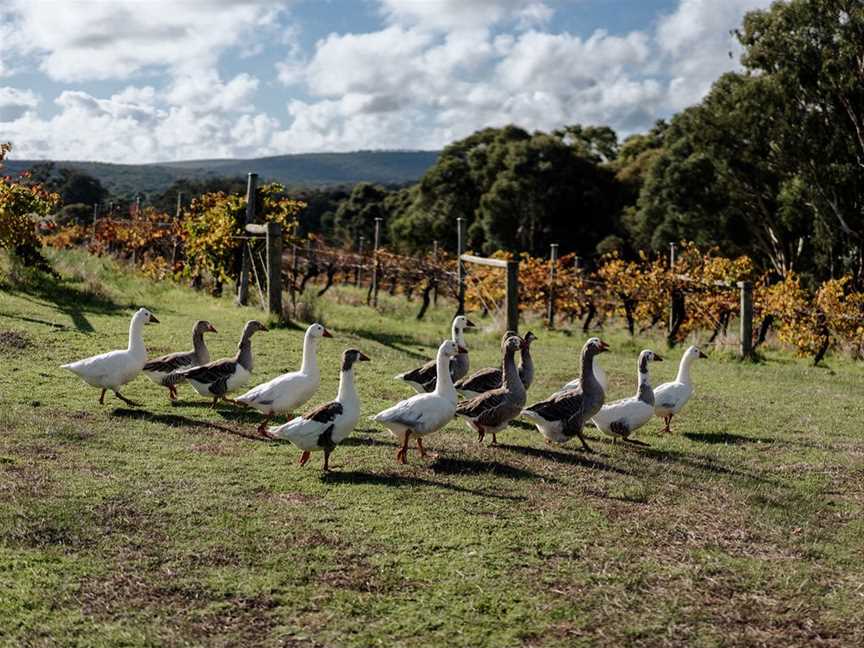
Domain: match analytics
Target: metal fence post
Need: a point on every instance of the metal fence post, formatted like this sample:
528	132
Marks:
243	282
376	243
746	318
274	268
512	299
460	267
553	266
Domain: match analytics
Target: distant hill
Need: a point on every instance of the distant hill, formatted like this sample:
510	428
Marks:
306	169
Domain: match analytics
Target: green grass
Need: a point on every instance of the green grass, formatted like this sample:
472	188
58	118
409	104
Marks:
174	526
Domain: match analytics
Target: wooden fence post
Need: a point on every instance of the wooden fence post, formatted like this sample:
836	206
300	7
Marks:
274	269
672	313
553	263
460	267
243	283
512	299
179	205
746	318
375	262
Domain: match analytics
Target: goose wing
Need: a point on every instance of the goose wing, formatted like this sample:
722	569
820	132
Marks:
171	362
481	381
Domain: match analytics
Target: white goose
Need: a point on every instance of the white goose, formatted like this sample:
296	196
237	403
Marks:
423	378
114	369
290	390
621	418
327	425
424	413
670	397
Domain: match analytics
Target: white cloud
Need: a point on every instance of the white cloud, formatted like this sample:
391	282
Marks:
454	15
14	103
695	43
114	40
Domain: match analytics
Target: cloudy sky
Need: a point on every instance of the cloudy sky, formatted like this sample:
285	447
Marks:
145	80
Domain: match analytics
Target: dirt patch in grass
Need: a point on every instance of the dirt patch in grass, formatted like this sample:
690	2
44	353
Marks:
13	342
190	610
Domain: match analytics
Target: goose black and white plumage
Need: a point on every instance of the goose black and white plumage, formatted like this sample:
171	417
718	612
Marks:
491	378
670	397
326	426
423	378
164	370
423	414
290	390
493	410
114	369
563	415
220	377
621	418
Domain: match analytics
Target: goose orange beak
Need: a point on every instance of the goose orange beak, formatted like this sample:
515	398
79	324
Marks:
327	333
212	329
603	346
461	349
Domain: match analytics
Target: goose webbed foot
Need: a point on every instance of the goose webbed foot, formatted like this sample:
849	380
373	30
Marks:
172	393
423	453
130	403
402	453
262	427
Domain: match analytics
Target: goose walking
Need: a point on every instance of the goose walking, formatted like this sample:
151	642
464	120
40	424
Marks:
423	414
163	370
327	425
290	390
423	378
621	418
492	411
563	415
670	398
220	377
114	369
491	378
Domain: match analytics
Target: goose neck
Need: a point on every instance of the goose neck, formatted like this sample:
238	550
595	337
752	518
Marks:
244	351
644	391
347	391
444	382
310	356
200	348
684	371
136	339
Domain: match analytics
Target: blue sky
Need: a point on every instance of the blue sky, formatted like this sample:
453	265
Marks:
147	80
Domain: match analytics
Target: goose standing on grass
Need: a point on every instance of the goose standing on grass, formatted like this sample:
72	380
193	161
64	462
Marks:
493	410
621	418
423	414
163	370
114	369
670	397
491	378
563	415
423	378
327	425
220	377
290	390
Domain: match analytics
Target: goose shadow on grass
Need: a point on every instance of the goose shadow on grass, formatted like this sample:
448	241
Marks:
457	466
72	301
709	465
585	460
725	438
396	341
395	480
177	420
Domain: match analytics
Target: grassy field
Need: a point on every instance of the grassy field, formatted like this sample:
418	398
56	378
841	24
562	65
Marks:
173	525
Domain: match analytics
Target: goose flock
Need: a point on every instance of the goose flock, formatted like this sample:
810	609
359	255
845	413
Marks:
493	397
